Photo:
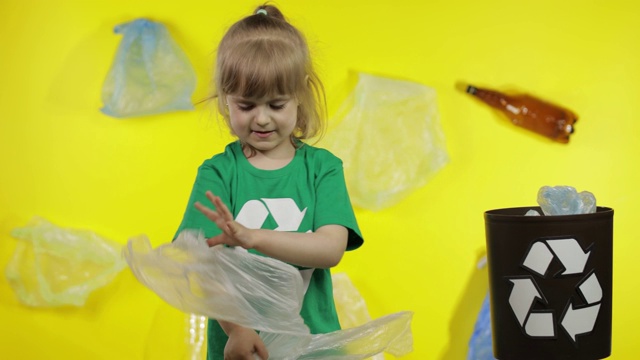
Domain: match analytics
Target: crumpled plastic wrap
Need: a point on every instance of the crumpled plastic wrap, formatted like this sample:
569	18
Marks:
565	200
257	292
389	139
150	73
350	305
53	266
221	283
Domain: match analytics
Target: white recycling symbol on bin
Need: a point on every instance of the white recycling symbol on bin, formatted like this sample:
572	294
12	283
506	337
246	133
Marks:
575	321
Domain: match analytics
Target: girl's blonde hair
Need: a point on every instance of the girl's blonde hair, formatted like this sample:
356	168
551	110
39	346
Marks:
263	55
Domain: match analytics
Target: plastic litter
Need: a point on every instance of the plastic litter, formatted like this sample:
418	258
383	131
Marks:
150	73
350	305
565	200
53	266
389	139
257	292
221	283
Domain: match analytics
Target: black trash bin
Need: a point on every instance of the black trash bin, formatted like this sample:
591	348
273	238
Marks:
550	280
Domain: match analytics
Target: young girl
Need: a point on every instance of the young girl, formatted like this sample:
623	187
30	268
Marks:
270	192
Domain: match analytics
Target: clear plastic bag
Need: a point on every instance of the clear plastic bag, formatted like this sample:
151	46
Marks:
257	292
150	73
220	282
389	139
53	266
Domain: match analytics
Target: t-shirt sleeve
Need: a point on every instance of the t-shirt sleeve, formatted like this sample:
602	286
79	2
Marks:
333	205
208	178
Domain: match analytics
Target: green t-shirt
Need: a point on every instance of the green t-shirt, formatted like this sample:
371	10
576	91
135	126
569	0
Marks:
306	194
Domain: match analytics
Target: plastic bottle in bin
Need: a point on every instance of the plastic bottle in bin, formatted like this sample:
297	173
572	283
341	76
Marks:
531	113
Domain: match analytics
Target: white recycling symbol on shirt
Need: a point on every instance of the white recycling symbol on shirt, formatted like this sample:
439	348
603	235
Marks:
575	321
285	213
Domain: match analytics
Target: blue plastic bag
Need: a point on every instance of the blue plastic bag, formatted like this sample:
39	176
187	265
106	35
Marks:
150	73
480	345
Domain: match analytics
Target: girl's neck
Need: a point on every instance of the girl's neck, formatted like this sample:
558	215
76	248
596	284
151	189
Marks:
269	160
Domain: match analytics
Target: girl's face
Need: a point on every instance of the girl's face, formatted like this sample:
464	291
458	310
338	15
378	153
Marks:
266	124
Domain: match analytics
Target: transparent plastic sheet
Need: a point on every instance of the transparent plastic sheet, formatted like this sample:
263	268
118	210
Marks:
389	139
54	266
257	292
220	282
350	305
150	73
390	334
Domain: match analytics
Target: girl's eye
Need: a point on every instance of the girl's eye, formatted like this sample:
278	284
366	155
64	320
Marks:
278	106
246	107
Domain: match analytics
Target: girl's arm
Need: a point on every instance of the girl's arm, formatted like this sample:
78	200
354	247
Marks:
320	249
243	342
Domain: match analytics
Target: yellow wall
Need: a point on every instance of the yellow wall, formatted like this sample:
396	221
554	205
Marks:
65	161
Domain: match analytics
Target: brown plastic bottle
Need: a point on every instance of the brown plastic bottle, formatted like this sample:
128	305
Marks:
531	113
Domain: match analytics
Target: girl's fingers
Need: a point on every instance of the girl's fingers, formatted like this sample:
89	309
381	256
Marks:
210	195
233	228
223	209
213	216
221	215
216	240
210	213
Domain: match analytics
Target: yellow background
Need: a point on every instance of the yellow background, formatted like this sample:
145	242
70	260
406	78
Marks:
65	161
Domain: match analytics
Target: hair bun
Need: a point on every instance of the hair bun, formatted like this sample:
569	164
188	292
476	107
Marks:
269	10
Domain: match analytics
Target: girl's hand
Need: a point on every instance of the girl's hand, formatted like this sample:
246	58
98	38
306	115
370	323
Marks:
233	234
244	344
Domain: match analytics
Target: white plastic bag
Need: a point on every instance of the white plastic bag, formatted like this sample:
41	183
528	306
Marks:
220	282
389	139
257	292
54	266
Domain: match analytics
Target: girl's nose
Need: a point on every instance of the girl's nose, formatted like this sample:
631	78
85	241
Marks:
262	117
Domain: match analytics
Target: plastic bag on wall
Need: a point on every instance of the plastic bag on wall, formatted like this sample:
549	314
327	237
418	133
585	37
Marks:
52	266
256	292
389	139
350	305
150	73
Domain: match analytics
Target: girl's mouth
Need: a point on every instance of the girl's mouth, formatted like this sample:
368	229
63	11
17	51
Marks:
262	134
